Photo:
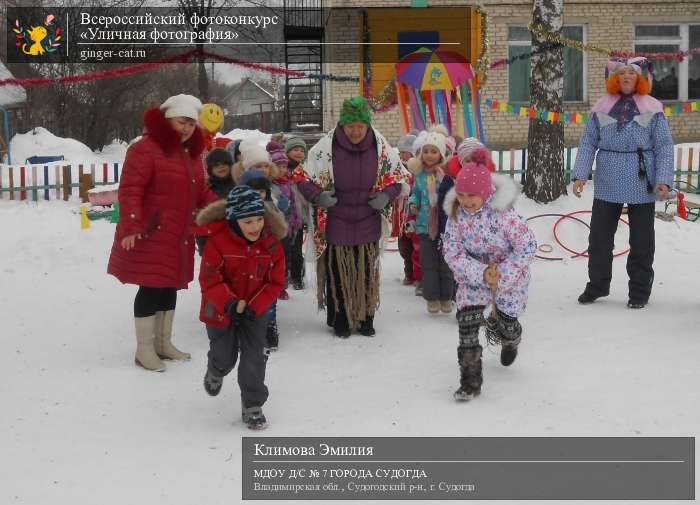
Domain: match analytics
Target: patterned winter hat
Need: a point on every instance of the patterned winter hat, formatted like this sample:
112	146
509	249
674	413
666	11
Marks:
475	177
293	142
355	108
466	148
242	202
639	64
437	136
418	143
277	154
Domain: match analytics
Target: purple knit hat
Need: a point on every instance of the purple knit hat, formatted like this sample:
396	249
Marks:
277	154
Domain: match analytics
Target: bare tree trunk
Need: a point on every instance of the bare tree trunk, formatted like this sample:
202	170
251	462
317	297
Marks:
544	180
202	77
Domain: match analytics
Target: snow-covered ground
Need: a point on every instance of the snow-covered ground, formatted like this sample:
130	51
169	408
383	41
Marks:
79	423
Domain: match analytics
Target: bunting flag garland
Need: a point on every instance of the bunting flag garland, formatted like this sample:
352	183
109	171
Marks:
573	117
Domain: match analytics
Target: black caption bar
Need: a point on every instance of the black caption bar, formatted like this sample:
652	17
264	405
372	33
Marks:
264	34
632	468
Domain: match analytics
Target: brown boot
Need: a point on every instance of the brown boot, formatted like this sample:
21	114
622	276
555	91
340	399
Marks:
164	331
146	356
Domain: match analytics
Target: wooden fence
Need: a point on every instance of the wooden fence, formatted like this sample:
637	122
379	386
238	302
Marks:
40	182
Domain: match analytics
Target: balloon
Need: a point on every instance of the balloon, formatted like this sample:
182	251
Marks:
211	118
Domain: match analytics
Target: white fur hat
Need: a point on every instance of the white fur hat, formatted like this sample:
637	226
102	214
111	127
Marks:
182	106
437	136
252	154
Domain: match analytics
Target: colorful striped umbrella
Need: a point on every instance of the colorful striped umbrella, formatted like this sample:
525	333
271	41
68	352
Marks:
429	70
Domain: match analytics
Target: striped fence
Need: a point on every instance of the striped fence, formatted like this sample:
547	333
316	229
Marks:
54	181
686	163
35	182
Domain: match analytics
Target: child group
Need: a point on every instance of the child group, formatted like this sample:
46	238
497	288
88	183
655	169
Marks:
457	227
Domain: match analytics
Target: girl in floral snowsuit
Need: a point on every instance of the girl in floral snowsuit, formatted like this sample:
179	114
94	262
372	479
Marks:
489	247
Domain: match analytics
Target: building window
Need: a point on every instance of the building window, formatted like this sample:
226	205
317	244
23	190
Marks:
519	40
673	80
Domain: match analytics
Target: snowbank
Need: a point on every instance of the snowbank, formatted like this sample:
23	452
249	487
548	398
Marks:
41	142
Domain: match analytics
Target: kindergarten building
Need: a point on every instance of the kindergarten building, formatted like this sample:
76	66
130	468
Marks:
625	25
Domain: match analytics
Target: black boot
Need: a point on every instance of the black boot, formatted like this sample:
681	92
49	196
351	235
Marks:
510	332
367	327
471	376
586	298
272	336
469	320
212	383
341	331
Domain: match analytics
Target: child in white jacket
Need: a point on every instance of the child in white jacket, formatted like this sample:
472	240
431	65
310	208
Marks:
489	247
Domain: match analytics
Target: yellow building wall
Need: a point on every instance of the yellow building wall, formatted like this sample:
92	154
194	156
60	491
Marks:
384	25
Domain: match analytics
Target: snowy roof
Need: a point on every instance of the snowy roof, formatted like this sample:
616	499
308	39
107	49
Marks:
10	95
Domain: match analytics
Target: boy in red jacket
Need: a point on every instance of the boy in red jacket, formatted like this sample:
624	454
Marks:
242	273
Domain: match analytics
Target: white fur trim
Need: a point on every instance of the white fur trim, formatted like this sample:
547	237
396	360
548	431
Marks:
507	192
450	201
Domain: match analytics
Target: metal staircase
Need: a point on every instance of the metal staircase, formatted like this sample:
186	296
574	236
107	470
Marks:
303	32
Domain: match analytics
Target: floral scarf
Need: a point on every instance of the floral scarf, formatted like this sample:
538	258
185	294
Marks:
319	170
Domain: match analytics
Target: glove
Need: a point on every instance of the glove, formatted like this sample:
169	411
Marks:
283	203
240	312
326	199
378	200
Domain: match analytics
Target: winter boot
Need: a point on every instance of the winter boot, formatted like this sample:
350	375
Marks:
469	352
433	306
636	304
254	418
164	331
586	298
366	327
298	284
470	377
146	356
341	331
510	331
273	336
446	306
212	383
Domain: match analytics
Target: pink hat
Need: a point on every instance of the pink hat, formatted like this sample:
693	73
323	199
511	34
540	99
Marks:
475	177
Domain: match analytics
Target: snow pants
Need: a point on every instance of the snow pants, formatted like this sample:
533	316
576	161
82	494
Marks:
246	339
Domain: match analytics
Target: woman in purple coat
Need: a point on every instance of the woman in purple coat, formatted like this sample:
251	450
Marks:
351	177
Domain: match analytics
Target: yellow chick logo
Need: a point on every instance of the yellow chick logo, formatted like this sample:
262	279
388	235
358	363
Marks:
211	118
37	40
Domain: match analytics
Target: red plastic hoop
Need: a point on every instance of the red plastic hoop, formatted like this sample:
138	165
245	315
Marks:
562	216
583	253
